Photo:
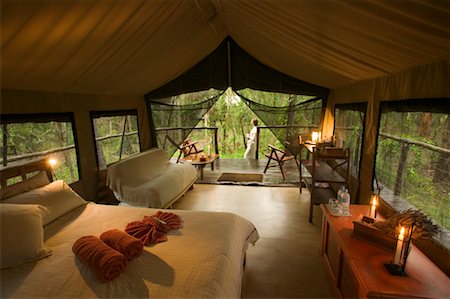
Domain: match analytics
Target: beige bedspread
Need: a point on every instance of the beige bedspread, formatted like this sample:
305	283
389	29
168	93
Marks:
201	260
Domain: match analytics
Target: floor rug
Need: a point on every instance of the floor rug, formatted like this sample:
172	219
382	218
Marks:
240	177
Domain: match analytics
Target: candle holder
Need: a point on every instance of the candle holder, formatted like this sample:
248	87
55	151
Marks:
402	249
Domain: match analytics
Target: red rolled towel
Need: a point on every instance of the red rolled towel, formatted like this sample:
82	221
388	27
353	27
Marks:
129	246
104	261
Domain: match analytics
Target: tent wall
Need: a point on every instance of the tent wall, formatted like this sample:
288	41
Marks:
424	82
29	102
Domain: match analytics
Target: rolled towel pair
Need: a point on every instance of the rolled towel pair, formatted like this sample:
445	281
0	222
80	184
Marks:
105	262
107	256
129	246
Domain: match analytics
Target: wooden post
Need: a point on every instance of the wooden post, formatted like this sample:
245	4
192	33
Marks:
5	145
401	168
216	145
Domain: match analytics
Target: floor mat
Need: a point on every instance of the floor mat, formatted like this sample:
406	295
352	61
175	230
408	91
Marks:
240	177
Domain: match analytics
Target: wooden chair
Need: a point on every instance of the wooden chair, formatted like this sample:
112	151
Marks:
187	147
280	156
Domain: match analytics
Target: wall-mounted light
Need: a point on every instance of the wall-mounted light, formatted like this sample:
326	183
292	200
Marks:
52	162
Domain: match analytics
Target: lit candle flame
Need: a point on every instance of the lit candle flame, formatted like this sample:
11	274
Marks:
401	236
374	200
315	136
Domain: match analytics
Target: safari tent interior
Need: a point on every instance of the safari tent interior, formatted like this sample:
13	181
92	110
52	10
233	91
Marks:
73	60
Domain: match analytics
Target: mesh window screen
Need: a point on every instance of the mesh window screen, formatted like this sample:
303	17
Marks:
175	117
412	161
116	136
286	115
348	127
27	138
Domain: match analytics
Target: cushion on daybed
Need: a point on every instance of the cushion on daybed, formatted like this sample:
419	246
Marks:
149	179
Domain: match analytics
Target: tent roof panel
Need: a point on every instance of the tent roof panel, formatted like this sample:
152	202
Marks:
131	47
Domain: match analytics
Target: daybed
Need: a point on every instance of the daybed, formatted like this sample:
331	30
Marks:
202	259
149	179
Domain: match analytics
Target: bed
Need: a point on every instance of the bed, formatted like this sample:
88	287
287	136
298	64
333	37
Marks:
202	259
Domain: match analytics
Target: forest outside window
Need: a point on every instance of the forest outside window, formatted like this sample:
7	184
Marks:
116	136
25	138
348	127
412	160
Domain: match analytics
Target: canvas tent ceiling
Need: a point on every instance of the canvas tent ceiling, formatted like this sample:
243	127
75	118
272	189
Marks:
131	47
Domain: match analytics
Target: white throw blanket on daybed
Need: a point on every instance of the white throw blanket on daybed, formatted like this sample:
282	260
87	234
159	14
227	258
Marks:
149	179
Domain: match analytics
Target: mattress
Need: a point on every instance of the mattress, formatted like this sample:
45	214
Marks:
202	259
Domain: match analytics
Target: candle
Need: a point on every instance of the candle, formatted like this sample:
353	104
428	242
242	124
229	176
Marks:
373	207
320	137
398	248
315	136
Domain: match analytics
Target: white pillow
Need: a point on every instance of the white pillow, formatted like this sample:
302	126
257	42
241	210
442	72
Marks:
37	181
57	197
21	234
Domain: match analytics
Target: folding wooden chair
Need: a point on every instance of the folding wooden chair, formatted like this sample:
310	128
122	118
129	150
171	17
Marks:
280	156
187	147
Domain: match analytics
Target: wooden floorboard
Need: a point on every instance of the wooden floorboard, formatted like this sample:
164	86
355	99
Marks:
272	177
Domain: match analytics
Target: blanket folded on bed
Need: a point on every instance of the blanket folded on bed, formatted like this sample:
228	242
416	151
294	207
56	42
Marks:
129	246
104	261
153	229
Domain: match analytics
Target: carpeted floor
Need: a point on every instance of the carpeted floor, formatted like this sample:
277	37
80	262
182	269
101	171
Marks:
240	177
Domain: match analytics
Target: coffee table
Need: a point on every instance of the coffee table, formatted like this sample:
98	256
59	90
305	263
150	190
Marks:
200	160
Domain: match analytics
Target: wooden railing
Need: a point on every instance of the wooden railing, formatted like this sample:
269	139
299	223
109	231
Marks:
6	160
185	129
405	145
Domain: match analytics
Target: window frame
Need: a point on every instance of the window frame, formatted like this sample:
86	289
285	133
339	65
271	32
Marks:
105	113
44	118
435	248
361	107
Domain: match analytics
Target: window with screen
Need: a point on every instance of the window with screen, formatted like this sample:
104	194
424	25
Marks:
348	129
26	138
116	136
412	159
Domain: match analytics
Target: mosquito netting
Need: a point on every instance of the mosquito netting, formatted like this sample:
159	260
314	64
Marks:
285	115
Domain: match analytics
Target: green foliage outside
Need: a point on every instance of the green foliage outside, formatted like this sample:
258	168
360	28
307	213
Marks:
426	179
349	128
233	118
109	130
28	138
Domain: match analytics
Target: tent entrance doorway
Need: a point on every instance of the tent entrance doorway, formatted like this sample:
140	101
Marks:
220	121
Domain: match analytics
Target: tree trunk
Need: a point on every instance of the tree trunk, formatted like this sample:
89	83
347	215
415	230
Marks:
61	134
424	128
100	156
442	165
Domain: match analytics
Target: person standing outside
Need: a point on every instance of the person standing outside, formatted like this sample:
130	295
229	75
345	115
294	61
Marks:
251	143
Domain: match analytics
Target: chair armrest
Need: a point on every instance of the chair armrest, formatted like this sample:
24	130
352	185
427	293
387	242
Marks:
276	149
187	145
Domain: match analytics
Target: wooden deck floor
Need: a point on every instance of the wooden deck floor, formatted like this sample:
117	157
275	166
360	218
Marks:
272	177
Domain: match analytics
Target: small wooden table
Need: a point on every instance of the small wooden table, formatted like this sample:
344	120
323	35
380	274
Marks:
199	163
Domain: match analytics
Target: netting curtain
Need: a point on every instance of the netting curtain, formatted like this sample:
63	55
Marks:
413	156
289	117
349	127
177	116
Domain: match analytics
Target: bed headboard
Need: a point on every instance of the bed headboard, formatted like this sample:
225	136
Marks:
22	171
